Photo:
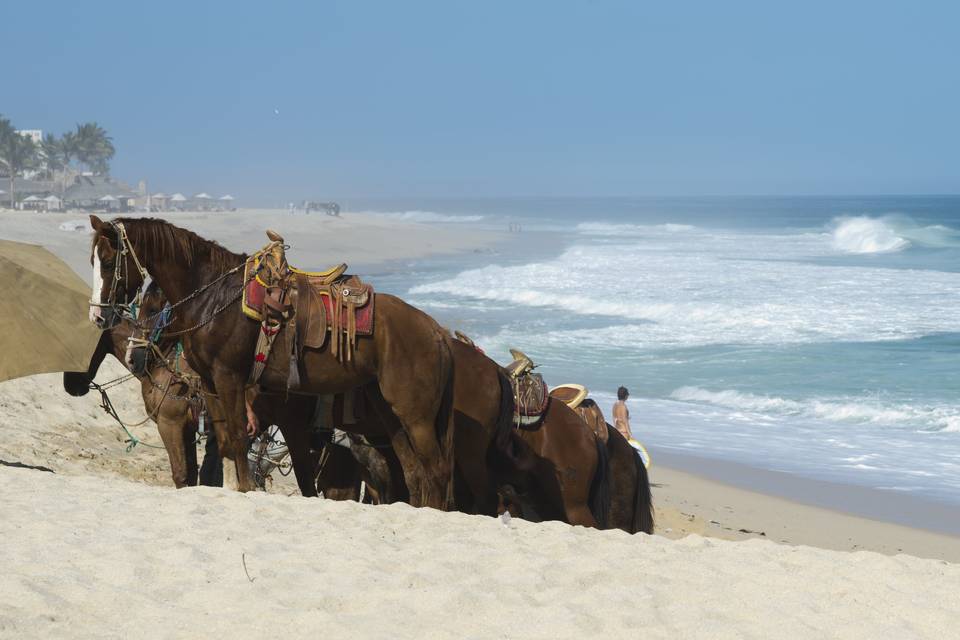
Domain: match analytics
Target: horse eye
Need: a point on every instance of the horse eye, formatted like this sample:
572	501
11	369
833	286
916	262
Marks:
108	264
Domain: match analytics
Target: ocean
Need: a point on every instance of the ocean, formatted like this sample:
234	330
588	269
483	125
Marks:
813	335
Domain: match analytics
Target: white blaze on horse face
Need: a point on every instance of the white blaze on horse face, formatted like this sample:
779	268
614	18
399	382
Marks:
97	295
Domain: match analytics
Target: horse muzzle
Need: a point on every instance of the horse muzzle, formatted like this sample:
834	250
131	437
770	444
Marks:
137	361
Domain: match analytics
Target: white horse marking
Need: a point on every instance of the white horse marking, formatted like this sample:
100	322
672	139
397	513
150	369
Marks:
96	297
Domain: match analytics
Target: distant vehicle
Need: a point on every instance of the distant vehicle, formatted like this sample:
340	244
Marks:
330	208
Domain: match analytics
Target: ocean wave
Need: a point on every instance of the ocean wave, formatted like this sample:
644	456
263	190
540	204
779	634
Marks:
853	410
671	301
863	234
888	234
610	229
426	216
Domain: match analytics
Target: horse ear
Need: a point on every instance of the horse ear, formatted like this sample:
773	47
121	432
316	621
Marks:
96	222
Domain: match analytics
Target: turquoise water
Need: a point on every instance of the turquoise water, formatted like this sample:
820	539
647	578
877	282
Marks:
818	336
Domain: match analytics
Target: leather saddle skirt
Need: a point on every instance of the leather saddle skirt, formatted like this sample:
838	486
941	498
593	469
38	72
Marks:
343	306
530	399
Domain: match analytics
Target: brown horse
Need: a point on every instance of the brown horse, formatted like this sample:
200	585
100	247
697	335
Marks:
408	355
556	469
166	399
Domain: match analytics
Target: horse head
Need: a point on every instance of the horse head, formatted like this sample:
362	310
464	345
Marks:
117	275
150	324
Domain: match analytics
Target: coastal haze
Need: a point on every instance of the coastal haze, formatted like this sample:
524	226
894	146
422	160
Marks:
747	215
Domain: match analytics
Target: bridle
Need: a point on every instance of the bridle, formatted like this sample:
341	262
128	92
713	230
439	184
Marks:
120	310
273	265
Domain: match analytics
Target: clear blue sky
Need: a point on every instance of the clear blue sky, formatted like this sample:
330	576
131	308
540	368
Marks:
499	98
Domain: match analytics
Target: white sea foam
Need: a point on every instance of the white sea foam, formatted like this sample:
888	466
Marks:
609	229
426	216
670	294
850	410
863	234
888	234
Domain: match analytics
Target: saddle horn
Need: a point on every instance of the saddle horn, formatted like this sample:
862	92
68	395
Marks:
274	236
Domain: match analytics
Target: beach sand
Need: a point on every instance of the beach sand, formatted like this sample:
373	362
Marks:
90	550
97	557
316	241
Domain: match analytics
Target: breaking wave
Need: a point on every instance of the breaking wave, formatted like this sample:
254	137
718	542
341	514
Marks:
853	410
889	234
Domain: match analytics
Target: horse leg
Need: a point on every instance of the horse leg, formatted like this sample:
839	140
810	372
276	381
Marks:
232	430
574	479
431	467
189	435
402	449
211	471
303	460
171	432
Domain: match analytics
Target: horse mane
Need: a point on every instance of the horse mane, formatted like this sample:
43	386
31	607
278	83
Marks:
170	242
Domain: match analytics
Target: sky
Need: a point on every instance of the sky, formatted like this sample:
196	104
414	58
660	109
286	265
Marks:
278	101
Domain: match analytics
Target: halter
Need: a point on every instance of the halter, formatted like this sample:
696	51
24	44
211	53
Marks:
125	248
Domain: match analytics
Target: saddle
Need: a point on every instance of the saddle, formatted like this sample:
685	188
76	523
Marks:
342	306
575	397
529	391
296	309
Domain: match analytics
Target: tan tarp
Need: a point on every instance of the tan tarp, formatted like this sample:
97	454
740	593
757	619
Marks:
43	314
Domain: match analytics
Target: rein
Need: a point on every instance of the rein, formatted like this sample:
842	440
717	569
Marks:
128	310
105	403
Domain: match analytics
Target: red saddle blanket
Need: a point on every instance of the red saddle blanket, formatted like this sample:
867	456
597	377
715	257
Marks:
255	293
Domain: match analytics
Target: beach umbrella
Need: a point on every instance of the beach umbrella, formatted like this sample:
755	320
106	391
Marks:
228	198
178	197
108	198
51	199
159	195
203	196
31	199
45	325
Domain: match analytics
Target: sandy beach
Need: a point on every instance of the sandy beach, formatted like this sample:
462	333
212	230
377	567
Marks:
92	557
316	241
91	551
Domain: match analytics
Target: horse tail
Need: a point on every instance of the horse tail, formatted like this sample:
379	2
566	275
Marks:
642	501
445	425
600	486
503	430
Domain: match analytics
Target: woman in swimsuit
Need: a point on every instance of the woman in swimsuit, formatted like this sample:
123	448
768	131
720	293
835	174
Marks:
621	415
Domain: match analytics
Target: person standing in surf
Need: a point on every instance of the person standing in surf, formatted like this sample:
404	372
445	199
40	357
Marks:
621	415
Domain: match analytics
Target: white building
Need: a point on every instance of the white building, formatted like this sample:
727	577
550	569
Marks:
34	134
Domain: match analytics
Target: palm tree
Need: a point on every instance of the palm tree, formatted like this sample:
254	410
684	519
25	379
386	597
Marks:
93	147
52	151
17	153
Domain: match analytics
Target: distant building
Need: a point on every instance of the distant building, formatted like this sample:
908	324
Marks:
34	134
90	192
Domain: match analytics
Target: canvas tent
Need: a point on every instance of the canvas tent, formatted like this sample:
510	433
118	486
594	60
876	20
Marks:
53	202
45	321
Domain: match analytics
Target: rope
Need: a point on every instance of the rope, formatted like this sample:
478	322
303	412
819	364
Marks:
132	440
